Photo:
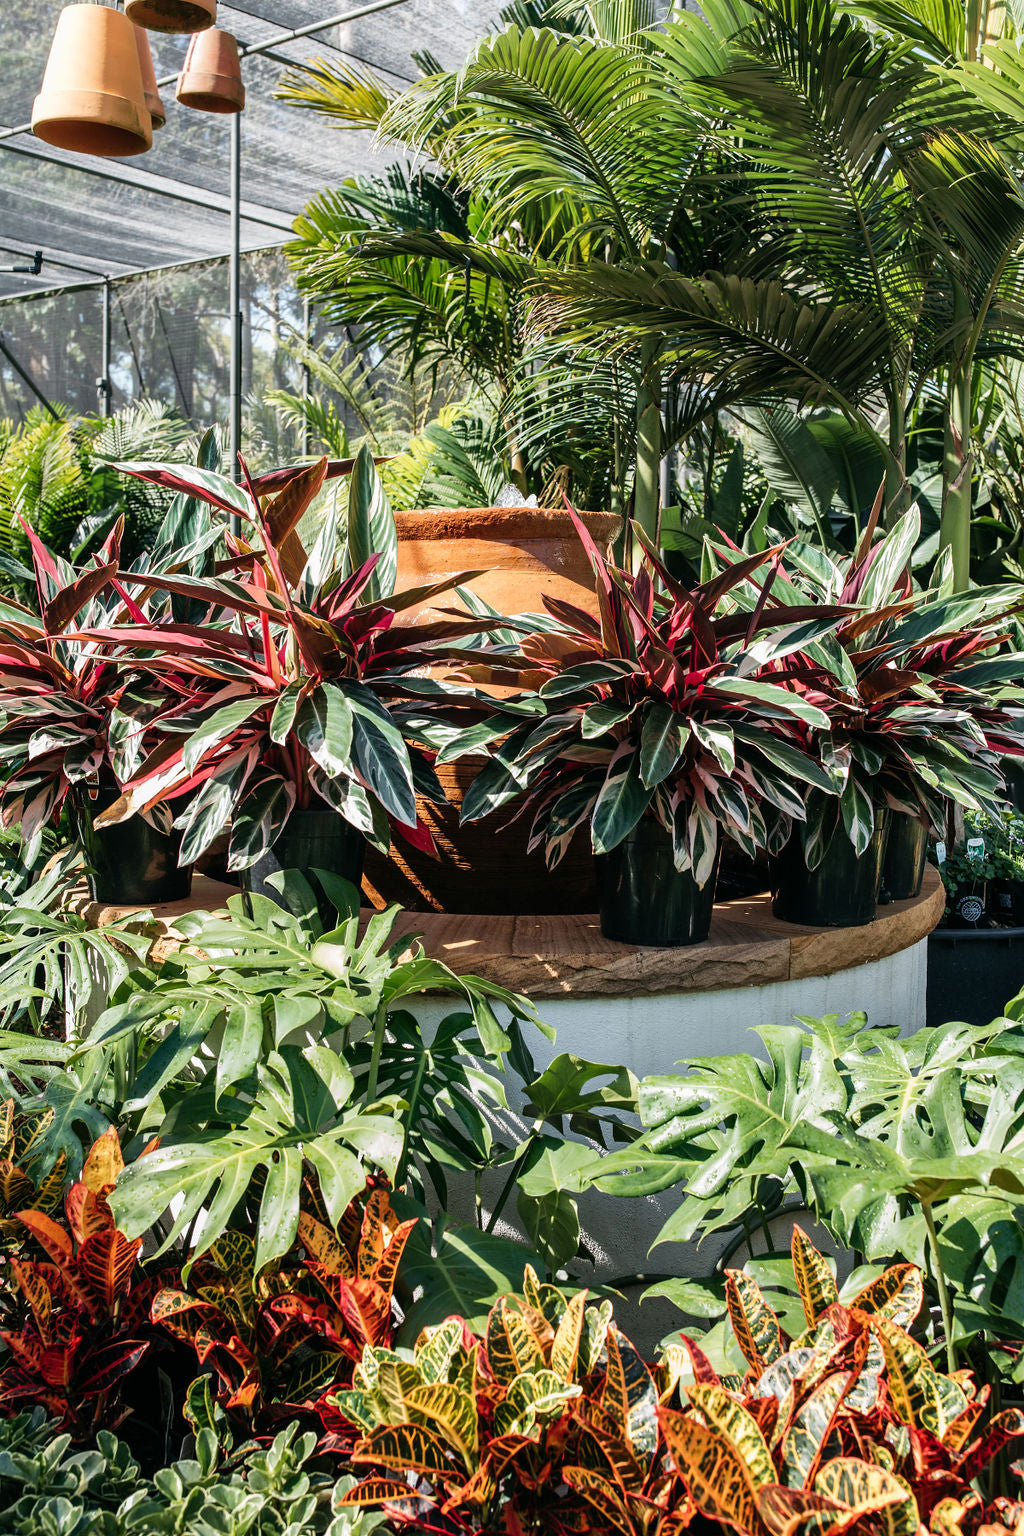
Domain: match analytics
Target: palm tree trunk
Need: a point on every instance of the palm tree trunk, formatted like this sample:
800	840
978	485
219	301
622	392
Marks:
646	494
955	526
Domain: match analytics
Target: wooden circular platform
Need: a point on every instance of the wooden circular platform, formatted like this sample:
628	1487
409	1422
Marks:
548	957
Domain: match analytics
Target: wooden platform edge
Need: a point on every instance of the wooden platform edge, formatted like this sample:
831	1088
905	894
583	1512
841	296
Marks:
548	957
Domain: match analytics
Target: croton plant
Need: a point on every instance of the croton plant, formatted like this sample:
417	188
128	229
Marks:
673	705
553	1422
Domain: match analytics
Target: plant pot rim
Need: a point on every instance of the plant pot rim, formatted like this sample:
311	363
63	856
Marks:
953	935
501	523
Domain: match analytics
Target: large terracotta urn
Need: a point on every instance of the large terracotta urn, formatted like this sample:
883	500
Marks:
526	554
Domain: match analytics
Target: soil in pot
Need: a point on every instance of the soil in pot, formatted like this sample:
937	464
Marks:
133	863
645	900
318	839
483	867
906	851
841	893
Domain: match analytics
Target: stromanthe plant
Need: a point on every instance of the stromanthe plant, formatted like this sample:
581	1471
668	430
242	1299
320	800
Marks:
671	706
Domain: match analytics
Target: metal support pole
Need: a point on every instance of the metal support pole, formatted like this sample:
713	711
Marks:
235	296
307	377
104	387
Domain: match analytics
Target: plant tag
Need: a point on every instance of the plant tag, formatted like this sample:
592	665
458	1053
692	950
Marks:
975	847
940	853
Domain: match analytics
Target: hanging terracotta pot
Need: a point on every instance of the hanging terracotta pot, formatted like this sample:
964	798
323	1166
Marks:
173	15
91	100
527	553
150	90
211	80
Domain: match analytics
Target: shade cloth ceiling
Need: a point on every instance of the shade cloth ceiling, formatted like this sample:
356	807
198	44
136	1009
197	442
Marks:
93	217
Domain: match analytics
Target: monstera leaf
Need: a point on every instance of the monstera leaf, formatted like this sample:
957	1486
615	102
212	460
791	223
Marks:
721	1129
210	1153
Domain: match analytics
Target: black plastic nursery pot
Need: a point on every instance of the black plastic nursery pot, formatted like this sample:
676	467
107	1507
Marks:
310	840
842	892
906	852
973	973
130	864
645	900
1006	902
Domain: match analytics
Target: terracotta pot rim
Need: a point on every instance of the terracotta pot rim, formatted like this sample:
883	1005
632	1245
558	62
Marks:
503	523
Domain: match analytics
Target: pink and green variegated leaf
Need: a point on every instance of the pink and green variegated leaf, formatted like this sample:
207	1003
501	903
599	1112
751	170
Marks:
814	1278
755	1325
621	801
203	484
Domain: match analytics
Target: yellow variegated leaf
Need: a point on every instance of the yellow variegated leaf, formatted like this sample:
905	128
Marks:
809	1428
543	1298
794	1365
438	1349
717	1479
322	1245
565	1347
865	1489
49	1193
364	1377
7	1130
671	1369
449	1412
814	1279
629	1397
753	1322
542	1393
104	1163
396	1381
603	1495
592	1337
512	1347
863	1395
963	1426
357	1406
406	1447
797	1512
465	1368
732	1420
920	1396
898	1295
